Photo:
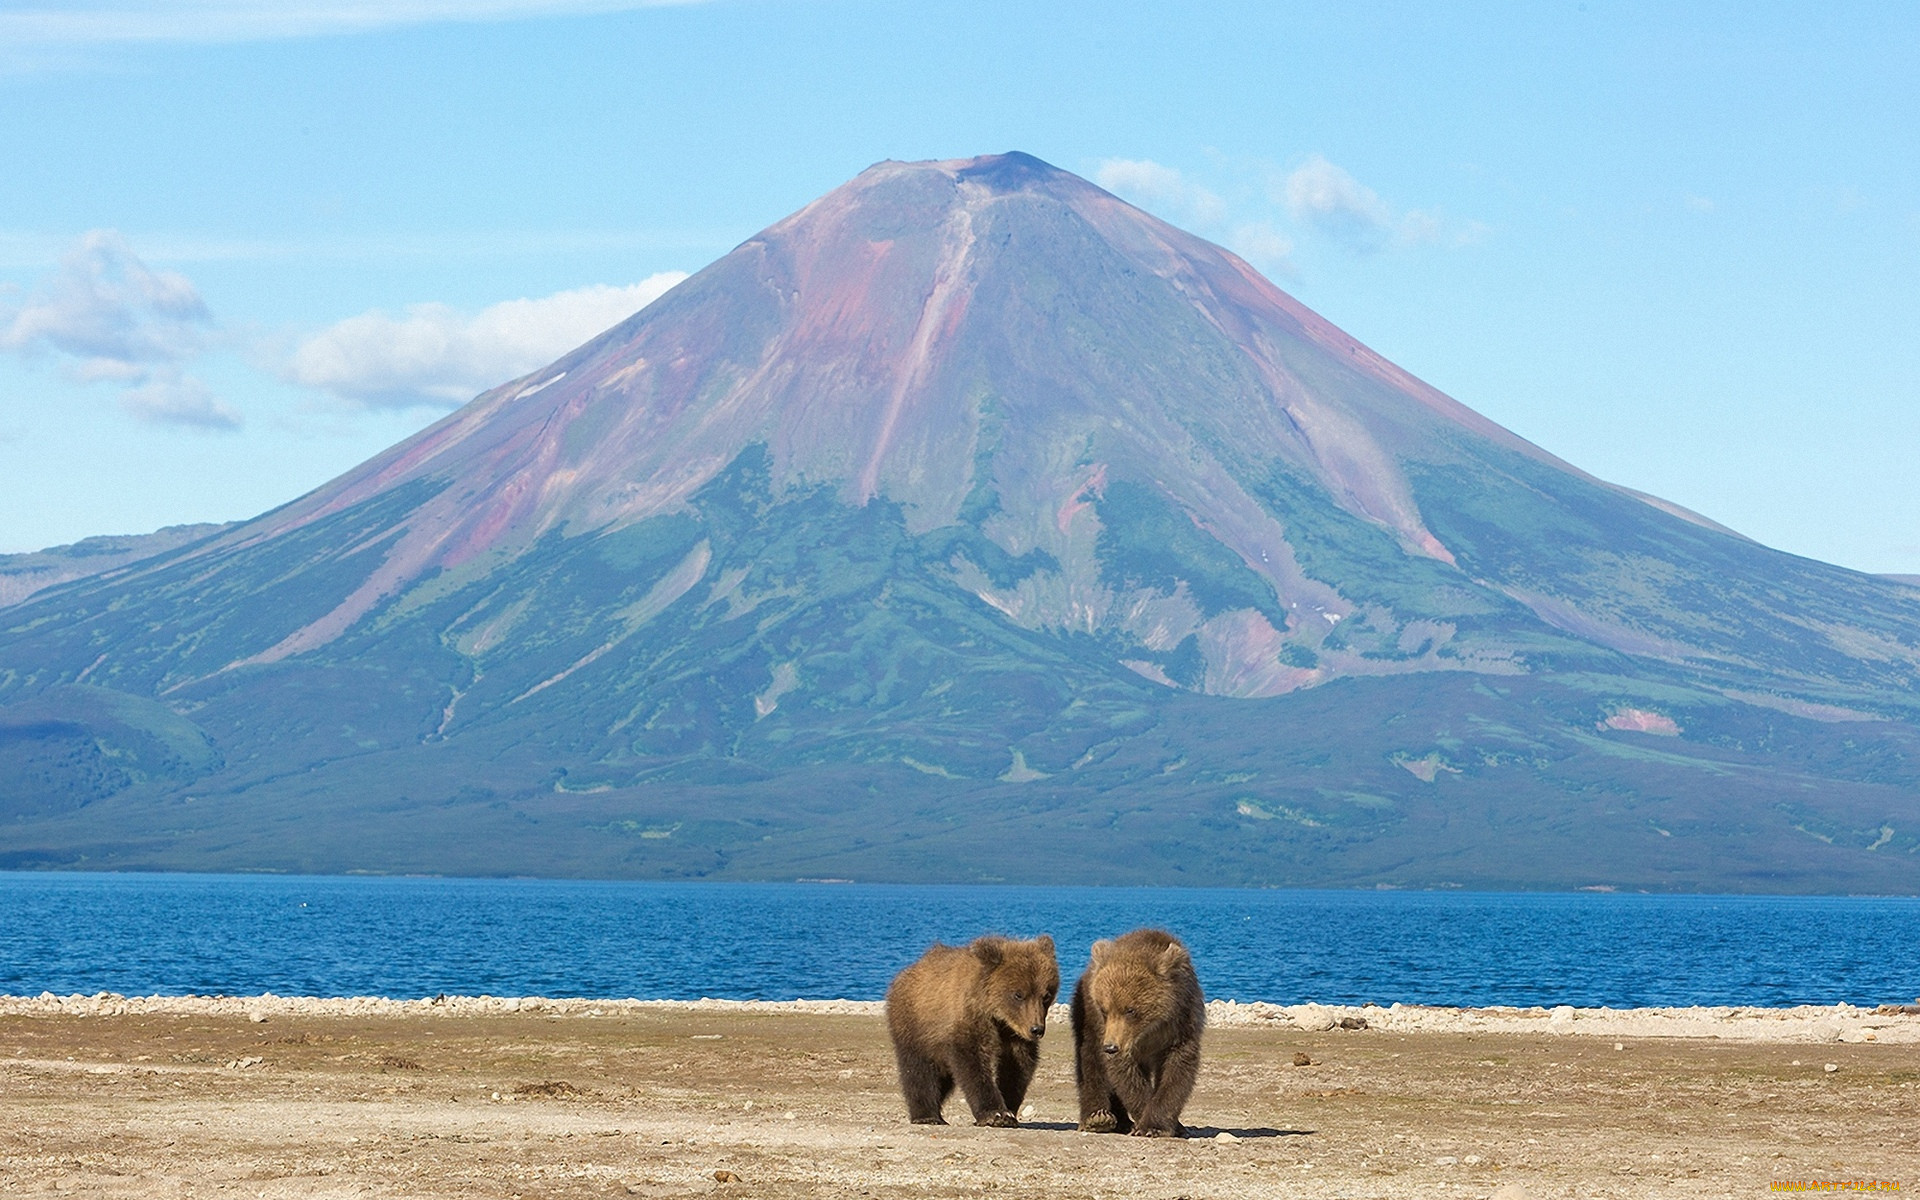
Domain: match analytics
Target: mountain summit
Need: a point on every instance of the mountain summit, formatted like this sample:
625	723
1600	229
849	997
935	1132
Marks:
971	509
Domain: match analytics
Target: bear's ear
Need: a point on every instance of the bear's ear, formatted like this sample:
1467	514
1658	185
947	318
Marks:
1101	949
1045	943
988	950
1173	958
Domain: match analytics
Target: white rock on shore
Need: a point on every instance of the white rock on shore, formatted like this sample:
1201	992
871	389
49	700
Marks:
1806	1023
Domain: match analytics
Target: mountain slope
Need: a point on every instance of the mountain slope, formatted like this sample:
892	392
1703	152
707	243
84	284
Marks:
971	505
21	575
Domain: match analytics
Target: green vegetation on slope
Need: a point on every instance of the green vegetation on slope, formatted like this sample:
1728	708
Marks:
816	698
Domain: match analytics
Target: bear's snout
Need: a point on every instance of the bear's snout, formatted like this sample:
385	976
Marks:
1111	1048
1038	1031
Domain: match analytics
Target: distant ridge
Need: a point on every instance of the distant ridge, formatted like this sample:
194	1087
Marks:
22	575
970	523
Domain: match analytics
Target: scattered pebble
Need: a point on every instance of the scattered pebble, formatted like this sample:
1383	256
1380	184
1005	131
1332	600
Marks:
1301	1059
1830	1068
726	1177
552	1089
1224	1136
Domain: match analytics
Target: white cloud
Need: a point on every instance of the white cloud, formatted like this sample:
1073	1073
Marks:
95	22
1419	228
435	355
1328	199
1322	195
1471	233
1263	246
1317	196
1162	188
106	308
109	318
1165	190
171	399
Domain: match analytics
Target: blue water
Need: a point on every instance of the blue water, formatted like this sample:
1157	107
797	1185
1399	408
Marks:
326	935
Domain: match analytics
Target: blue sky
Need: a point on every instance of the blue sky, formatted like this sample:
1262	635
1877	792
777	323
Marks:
245	245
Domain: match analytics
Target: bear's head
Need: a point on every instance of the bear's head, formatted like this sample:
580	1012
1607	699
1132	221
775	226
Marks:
1022	979
1139	995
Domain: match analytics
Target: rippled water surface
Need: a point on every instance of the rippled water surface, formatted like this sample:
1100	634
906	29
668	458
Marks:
239	935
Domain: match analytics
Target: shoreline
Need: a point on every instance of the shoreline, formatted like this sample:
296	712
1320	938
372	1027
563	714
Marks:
517	1098
1808	1023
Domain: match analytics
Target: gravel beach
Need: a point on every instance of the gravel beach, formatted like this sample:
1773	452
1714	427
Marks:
530	1097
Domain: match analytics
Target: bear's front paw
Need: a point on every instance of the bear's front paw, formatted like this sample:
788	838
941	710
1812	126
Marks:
1164	1131
935	1120
998	1120
1099	1122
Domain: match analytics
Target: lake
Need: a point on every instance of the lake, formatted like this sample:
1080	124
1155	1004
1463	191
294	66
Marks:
327	935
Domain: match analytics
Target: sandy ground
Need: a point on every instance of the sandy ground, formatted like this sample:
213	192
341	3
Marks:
479	1097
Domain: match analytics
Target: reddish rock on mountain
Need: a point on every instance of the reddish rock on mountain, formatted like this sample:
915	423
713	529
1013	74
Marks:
971	498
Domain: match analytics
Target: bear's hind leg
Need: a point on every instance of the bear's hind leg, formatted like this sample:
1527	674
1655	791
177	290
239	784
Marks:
925	1084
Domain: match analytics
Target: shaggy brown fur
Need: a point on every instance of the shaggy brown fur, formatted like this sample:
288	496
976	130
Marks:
1137	1018
972	1015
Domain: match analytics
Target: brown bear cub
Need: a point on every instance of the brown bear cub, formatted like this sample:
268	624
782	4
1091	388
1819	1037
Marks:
1137	1017
972	1015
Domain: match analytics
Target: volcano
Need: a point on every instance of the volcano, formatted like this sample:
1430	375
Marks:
971	524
